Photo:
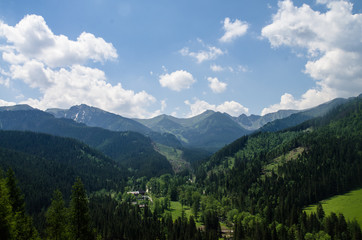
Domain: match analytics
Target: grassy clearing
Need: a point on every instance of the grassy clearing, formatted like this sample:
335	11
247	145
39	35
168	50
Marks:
174	156
350	204
291	155
176	211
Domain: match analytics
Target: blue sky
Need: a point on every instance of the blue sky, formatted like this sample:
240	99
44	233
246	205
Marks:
144	58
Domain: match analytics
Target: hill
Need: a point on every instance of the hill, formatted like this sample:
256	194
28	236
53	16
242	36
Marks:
132	149
277	174
43	163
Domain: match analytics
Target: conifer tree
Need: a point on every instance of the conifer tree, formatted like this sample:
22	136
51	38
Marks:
16	198
6	220
80	221
56	218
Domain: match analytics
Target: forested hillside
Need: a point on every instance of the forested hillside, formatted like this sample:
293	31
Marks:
43	163
274	175
132	149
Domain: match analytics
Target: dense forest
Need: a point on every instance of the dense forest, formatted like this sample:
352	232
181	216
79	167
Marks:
253	188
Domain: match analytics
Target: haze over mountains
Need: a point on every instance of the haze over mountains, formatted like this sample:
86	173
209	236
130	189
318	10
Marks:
209	131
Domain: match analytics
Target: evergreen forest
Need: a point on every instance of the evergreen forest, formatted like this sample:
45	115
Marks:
90	183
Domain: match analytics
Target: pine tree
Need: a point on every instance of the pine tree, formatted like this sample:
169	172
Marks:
320	212
16	198
14	222
80	221
6	219
56	218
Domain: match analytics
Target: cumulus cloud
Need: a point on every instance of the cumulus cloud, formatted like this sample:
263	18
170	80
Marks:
56	66
87	85
216	86
332	40
230	107
32	38
211	53
233	30
309	99
177	81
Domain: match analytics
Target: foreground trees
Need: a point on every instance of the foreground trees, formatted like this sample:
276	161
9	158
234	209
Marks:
72	223
14	222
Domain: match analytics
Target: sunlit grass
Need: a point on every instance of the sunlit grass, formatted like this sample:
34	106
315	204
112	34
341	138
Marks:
349	204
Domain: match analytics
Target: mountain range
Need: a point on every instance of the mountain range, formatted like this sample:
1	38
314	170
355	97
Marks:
209	131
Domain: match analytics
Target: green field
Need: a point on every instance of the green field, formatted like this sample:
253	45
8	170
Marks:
174	156
176	211
350	204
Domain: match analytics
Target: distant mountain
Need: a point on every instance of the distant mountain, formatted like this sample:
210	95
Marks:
96	117
132	149
209	130
16	108
254	122
302	116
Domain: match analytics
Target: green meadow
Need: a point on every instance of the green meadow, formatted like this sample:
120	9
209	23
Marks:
350	204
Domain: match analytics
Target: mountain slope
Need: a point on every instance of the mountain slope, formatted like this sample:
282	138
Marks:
132	149
303	116
277	173
43	163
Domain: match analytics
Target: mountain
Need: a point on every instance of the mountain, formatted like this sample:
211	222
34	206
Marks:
271	176
254	122
209	130
299	117
132	149
43	163
16	108
95	117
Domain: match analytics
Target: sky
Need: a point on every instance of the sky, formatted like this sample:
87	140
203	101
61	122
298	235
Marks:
144	58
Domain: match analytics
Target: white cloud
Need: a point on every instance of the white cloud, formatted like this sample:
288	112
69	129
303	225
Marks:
5	81
230	107
216	86
87	85
309	99
163	105
333	42
56	66
6	103
177	80
233	29
211	53
32	38
216	68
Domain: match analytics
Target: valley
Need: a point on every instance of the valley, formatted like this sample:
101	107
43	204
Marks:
197	178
